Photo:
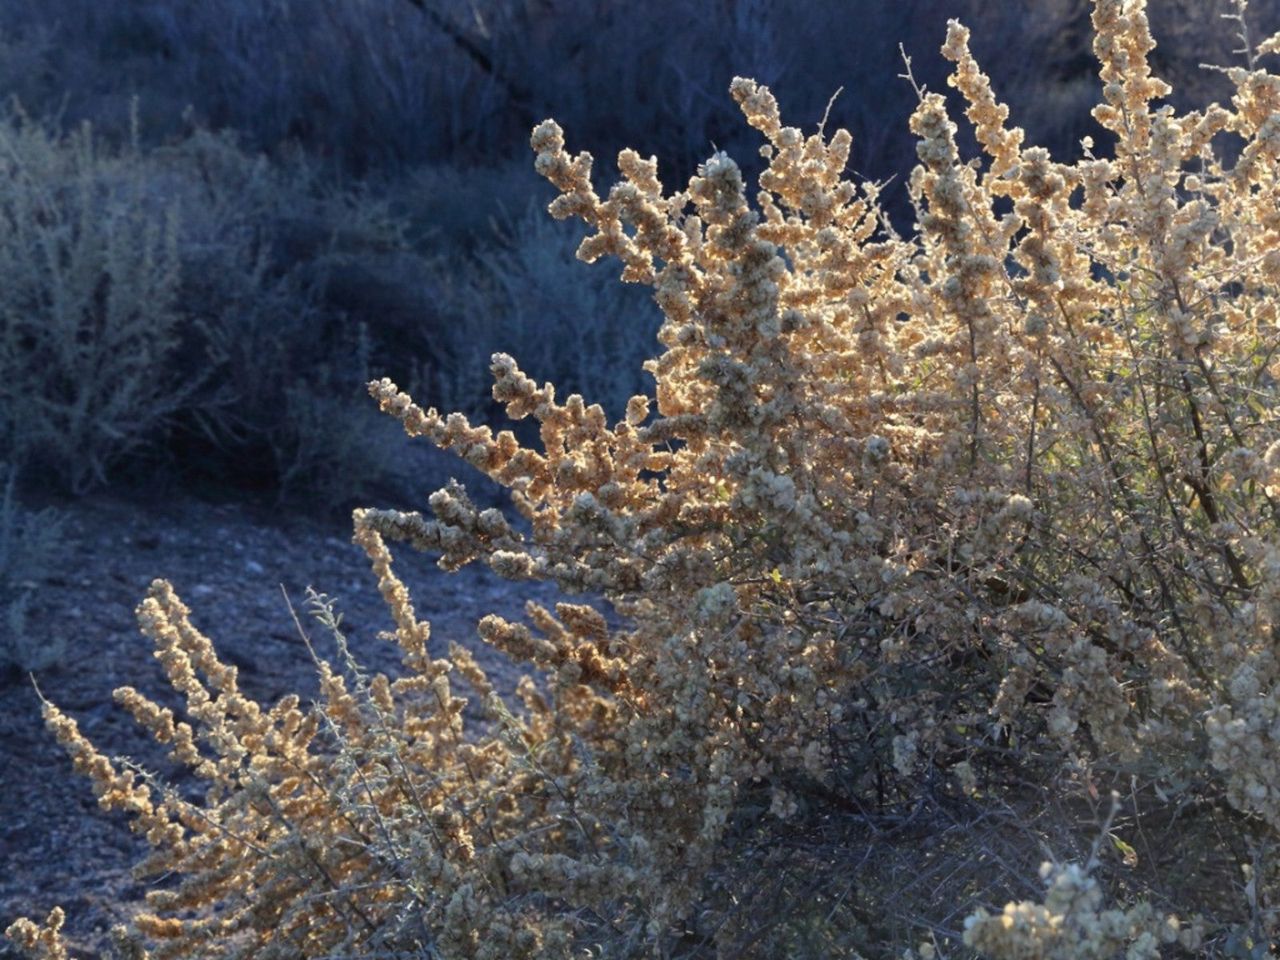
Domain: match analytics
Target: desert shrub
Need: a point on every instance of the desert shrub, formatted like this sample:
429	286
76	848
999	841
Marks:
30	544
184	303
923	535
297	286
89	310
271	256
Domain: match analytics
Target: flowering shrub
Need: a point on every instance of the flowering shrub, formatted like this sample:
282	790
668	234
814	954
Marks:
950	521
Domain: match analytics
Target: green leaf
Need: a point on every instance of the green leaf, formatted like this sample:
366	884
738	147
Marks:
1127	853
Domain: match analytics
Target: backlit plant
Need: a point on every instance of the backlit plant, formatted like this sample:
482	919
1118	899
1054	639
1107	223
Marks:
932	517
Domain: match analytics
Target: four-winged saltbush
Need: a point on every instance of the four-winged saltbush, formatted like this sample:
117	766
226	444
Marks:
970	515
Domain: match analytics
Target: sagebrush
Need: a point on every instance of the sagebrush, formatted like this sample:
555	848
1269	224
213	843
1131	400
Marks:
977	527
179	305
89	312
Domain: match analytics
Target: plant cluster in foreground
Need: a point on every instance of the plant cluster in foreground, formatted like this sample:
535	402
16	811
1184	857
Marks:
970	524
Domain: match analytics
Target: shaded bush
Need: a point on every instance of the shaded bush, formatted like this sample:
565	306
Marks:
524	295
183	304
89	303
261	245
